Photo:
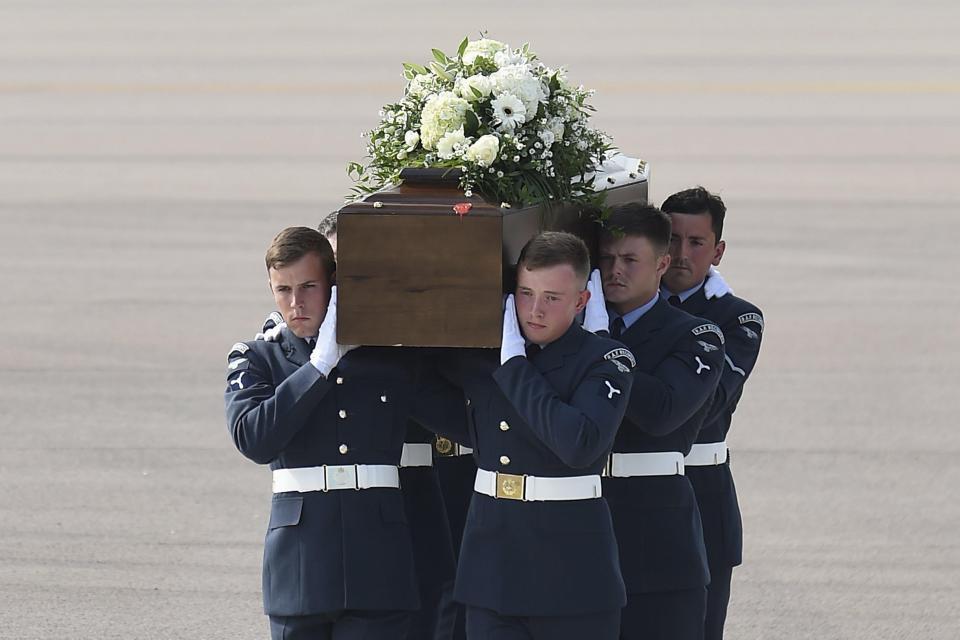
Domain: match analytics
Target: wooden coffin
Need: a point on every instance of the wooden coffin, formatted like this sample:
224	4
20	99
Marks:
411	271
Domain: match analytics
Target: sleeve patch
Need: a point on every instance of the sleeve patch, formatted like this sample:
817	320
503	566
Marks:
238	348
610	391
708	328
272	320
622	358
233	364
752	317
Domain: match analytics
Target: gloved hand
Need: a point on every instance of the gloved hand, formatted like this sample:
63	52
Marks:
512	343
716	286
327	353
595	316
271	327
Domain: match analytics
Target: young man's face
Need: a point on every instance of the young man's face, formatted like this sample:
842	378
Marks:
693	248
631	269
548	300
301	290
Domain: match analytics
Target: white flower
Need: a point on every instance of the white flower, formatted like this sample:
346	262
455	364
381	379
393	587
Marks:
507	58
548	138
484	151
411	139
518	81
508	112
420	84
452	144
483	48
481	83
443	113
556	128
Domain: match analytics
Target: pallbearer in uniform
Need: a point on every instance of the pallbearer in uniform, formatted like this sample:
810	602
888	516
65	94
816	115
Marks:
678	364
538	558
695	246
433	548
330	422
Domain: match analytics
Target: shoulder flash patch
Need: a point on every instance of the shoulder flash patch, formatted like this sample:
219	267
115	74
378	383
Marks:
616	355
708	328
752	317
238	348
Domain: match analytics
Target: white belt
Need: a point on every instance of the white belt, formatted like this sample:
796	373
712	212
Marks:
658	463
707	455
460	450
416	454
331	477
536	488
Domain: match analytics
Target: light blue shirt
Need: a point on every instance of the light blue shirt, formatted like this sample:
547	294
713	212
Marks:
683	295
632	316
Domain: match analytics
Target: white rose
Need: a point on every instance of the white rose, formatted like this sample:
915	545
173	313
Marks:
452	144
411	139
481	83
484	151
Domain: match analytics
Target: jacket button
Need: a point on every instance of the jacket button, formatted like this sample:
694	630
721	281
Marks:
468	402
339	380
504	426
344	448
504	460
343	414
383	398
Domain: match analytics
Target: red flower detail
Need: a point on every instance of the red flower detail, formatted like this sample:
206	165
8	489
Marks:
462	208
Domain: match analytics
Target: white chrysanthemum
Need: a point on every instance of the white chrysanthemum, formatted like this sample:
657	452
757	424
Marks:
484	151
518	81
465	86
452	144
443	113
483	48
509	112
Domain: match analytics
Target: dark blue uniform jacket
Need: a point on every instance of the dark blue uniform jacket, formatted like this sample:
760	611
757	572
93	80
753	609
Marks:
679	360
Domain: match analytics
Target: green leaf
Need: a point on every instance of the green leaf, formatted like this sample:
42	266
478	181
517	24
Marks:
440	56
554	83
441	71
472	124
476	92
462	47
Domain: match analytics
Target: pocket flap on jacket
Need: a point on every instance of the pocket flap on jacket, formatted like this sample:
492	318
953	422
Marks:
285	511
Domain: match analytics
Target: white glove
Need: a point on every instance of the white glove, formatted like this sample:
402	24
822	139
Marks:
512	344
595	316
327	353
271	327
716	286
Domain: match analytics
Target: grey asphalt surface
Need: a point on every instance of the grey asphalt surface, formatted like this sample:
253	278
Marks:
149	150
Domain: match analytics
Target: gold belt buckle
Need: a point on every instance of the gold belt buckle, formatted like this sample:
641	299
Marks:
444	446
510	486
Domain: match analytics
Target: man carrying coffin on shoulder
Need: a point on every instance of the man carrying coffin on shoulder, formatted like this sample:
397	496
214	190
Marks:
679	361
538	558
330	421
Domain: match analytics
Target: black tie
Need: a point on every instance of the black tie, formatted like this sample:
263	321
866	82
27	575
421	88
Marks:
617	329
532	350
674	301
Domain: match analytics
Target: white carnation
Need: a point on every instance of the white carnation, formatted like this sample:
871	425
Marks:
443	113
481	83
508	58
518	81
484	151
483	48
452	144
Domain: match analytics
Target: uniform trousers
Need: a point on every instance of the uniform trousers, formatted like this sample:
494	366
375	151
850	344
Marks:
484	624
437	615
718	596
664	615
343	625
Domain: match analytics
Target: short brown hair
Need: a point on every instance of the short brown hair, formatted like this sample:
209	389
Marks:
639	220
552	248
293	243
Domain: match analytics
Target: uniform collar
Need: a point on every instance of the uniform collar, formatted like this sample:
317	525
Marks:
295	349
552	355
648	324
683	295
632	316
